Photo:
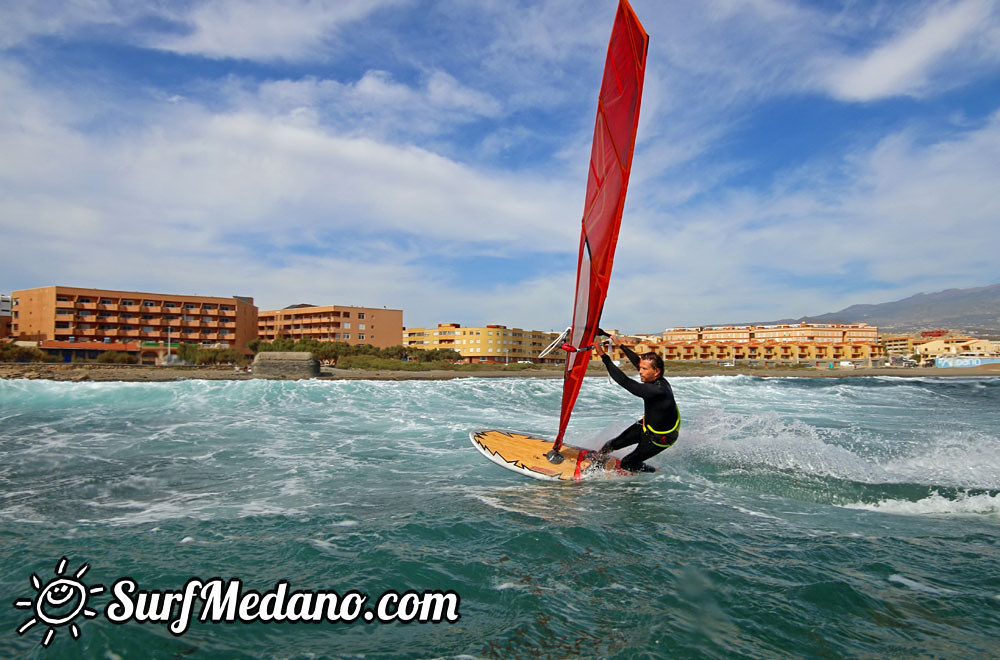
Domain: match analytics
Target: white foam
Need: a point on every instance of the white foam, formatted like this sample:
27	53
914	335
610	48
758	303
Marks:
920	586
981	504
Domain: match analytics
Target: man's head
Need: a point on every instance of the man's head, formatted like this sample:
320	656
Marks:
650	367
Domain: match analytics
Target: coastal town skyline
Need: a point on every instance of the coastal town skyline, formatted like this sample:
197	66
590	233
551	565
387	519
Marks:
378	154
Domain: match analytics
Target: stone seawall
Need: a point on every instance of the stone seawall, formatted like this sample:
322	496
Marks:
290	365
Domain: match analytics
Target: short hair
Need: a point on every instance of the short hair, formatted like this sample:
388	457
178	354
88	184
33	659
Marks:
655	359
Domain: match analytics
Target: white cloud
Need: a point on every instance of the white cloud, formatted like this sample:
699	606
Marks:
26	19
187	199
264	29
917	57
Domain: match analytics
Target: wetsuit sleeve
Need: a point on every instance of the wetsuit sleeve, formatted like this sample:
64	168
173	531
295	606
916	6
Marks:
632	356
635	387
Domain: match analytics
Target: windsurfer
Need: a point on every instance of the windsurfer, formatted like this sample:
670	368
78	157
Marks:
661	421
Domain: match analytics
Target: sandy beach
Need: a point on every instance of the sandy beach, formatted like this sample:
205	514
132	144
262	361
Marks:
130	373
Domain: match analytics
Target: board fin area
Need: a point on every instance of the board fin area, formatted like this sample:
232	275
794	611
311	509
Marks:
526	454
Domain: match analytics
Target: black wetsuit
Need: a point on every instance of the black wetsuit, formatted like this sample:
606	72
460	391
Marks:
660	425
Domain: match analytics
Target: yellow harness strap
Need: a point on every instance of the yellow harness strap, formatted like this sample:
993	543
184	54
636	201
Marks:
647	427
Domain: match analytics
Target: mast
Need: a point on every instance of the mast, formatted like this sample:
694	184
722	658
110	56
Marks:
607	183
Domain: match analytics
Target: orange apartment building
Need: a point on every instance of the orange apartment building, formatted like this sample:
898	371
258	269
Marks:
60	317
781	343
770	351
793	332
379	327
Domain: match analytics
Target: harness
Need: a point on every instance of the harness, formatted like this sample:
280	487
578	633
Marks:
662	434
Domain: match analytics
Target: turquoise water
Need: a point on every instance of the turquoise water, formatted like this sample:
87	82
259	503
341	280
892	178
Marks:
795	518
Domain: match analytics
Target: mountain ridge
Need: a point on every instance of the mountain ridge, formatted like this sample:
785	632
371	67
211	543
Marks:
975	310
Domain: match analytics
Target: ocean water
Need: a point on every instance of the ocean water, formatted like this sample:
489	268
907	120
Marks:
794	518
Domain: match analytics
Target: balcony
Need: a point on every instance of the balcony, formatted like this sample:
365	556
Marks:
129	308
81	305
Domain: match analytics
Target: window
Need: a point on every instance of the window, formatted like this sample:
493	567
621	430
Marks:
148	303
107	301
361	315
361	336
361	326
347	335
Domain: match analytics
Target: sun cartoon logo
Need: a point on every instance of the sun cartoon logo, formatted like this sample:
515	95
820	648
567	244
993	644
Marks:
58	602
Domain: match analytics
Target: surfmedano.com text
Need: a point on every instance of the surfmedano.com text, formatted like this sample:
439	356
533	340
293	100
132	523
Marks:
228	602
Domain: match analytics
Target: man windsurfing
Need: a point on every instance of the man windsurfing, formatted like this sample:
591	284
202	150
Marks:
661	421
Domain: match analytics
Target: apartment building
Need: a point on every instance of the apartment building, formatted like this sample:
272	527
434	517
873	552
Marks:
5	316
117	318
772	351
792	332
489	343
956	346
901	344
377	326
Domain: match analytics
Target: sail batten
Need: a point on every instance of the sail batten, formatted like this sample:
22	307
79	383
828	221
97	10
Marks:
607	182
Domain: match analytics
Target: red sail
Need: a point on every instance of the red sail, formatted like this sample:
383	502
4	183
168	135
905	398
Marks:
610	163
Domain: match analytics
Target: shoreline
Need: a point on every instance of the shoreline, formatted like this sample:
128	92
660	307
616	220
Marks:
131	373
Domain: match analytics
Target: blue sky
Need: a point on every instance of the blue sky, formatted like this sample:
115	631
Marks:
793	158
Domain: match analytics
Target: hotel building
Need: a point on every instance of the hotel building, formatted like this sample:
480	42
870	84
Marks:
797	332
800	343
490	343
57	316
379	327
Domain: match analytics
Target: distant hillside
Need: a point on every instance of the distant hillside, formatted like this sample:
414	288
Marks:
976	311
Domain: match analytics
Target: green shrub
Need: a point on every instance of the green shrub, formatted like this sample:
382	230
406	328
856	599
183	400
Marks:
117	357
15	353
